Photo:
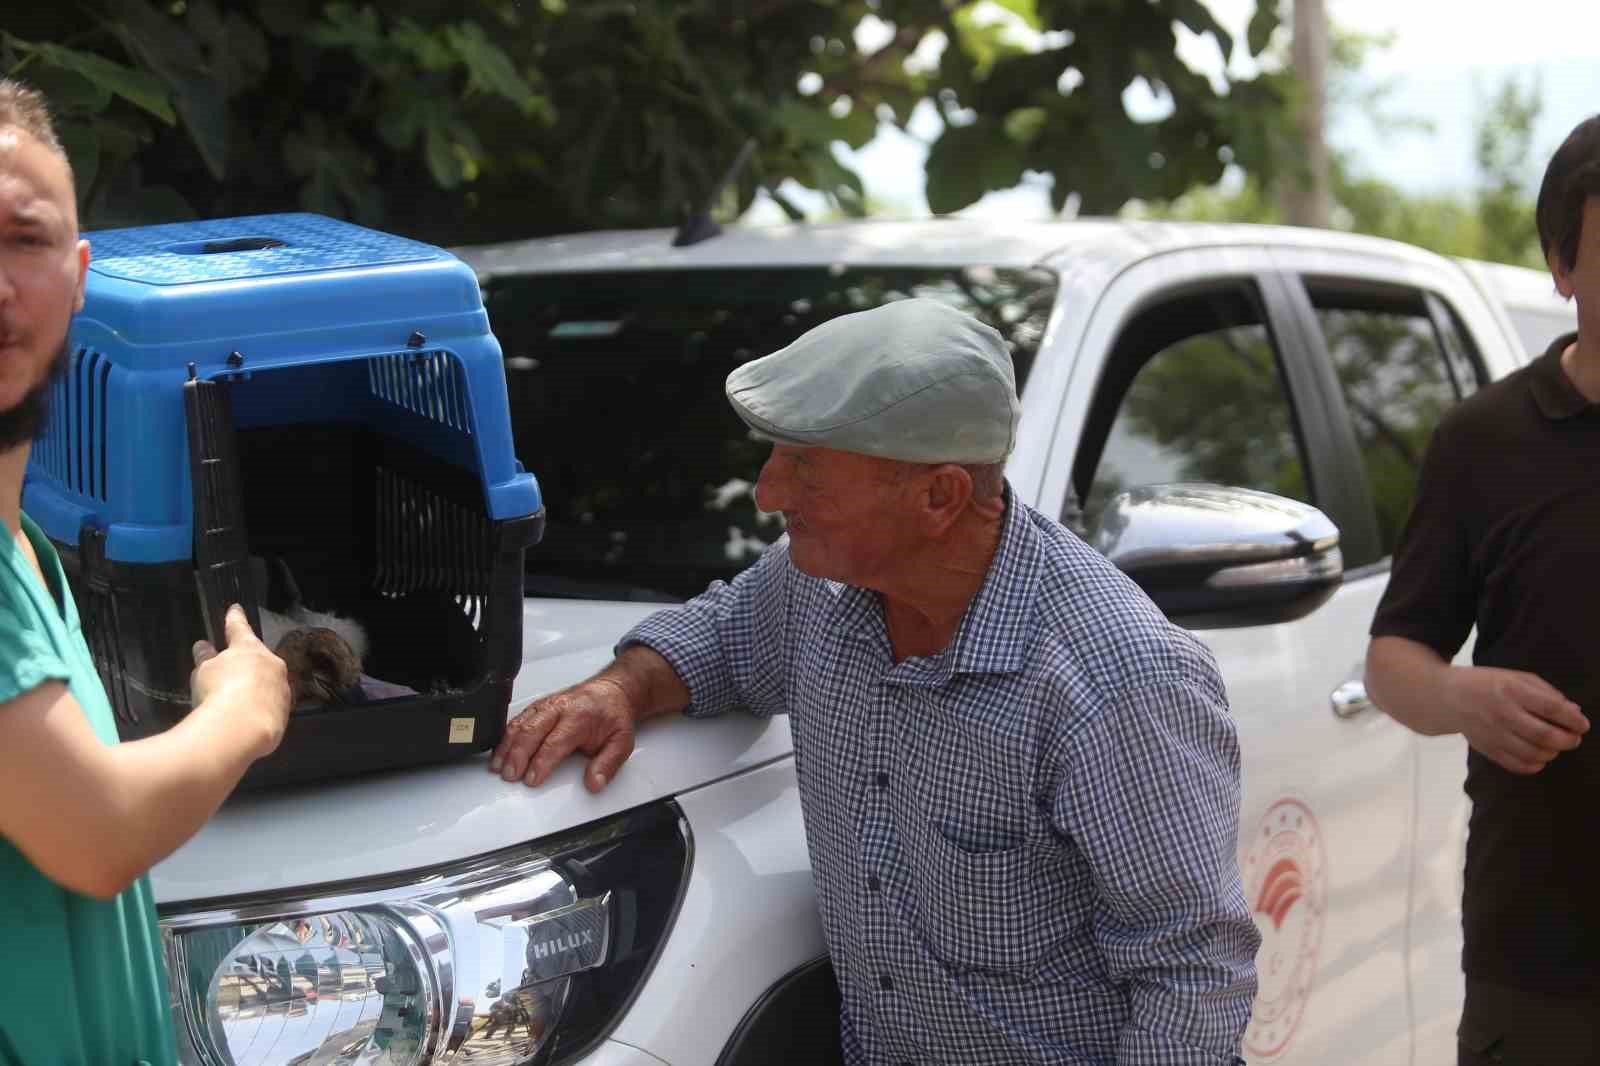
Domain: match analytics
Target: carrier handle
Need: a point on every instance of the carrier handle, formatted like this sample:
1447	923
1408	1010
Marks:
221	546
102	632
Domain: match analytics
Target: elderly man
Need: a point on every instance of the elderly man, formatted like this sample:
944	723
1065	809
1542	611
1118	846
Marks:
1020	782
81	816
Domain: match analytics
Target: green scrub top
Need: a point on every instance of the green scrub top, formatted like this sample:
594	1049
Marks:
83	980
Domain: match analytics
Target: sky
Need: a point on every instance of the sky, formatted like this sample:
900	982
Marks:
1445	59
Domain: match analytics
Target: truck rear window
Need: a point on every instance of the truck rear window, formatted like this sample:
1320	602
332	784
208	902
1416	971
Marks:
615	384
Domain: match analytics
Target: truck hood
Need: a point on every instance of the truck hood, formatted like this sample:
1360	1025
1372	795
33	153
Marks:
378	824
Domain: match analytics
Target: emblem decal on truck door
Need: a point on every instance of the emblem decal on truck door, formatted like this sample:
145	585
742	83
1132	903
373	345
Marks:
1286	883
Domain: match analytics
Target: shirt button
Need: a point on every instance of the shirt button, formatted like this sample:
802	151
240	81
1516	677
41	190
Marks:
882	780
873	883
886	983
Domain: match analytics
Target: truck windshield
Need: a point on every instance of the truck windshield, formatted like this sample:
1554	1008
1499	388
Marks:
615	383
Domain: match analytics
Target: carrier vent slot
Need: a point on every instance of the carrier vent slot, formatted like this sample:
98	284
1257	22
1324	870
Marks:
73	448
429	543
427	383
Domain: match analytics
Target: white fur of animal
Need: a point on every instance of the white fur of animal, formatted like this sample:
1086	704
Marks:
274	626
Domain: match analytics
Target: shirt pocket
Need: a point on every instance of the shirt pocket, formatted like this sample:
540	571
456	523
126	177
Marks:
980	909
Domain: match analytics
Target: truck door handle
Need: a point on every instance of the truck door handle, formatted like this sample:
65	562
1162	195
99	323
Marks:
1350	699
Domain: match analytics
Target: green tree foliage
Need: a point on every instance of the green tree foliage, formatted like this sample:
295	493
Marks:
1493	221
484	119
1505	204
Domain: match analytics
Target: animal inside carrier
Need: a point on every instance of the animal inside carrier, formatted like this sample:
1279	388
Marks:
309	418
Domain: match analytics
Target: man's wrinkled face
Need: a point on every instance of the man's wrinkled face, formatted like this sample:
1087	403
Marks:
42	269
846	519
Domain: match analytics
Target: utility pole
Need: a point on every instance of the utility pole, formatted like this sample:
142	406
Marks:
1306	192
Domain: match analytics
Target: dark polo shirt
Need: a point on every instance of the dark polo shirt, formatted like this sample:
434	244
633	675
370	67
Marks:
1505	535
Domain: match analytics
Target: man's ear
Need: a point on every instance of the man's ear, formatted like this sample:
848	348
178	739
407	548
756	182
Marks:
83	275
1558	271
948	491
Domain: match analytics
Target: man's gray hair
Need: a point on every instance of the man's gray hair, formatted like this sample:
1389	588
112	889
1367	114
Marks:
988	479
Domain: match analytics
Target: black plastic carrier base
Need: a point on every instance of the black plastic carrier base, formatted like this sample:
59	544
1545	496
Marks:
372	529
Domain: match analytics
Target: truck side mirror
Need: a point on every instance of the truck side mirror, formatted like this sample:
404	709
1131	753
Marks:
1213	556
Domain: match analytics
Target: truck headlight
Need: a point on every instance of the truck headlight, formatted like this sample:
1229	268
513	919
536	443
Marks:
526	956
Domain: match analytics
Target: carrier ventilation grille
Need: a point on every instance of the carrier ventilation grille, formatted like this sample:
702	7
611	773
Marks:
73	448
427	383
429	543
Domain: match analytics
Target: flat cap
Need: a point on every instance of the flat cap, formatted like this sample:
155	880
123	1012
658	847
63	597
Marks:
914	380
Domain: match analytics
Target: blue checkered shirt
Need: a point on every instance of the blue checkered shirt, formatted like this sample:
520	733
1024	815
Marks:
1024	847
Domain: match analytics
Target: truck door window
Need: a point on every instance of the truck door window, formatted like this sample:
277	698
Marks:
1194	391
1400	366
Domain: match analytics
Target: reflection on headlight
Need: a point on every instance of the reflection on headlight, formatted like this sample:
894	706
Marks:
531	953
474	970
328	988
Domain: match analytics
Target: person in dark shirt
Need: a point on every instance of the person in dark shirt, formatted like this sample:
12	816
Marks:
1507	509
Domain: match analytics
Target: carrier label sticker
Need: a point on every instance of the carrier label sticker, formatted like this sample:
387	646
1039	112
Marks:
461	730
1285	881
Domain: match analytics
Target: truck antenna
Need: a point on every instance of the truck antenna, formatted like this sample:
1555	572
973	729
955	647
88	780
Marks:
700	226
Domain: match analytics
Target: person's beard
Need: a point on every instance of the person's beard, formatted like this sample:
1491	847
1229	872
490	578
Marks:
25	420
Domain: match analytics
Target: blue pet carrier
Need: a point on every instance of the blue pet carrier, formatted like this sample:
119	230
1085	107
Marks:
292	412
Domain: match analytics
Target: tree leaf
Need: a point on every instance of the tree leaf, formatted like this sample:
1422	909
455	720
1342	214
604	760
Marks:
205	116
793	212
1016	81
968	161
812	124
430	48
155	40
489	69
841	184
1026	10
1199	20
401	120
235	48
139	87
69	92
83	152
1262	25
442	161
347	26
984	42
1023	124
119	139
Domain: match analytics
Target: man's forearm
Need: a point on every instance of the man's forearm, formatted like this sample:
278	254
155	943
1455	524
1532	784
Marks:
169	785
113	811
1407	680
651	684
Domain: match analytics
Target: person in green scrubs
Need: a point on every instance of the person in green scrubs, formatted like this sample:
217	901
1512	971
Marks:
82	817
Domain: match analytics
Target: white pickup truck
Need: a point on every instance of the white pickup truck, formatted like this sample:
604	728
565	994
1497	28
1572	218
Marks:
439	915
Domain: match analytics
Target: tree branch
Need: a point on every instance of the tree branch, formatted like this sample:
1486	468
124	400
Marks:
906	38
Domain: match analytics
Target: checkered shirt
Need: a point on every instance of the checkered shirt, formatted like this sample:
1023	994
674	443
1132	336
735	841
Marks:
1024	847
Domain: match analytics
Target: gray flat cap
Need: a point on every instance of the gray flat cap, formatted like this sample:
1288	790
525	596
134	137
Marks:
914	380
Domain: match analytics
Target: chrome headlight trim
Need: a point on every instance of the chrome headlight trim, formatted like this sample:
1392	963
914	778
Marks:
425	906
